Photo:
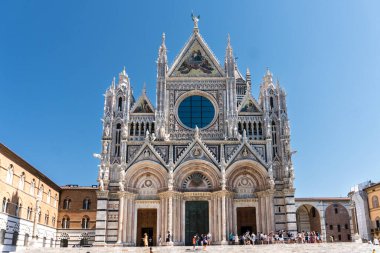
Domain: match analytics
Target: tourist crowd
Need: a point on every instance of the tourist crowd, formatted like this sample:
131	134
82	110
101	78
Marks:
281	236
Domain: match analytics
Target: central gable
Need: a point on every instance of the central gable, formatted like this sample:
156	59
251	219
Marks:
196	60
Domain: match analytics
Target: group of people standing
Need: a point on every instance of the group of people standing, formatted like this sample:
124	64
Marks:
309	237
261	238
201	240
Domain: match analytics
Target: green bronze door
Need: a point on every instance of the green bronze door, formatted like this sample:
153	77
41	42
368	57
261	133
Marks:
196	219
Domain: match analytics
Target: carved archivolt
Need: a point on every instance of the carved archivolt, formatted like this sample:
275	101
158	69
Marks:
197	174
146	175
196	182
247	176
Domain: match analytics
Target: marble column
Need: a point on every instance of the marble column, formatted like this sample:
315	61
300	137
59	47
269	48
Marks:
125	217
170	219
224	228
121	212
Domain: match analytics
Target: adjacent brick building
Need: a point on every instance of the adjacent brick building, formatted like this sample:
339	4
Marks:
77	215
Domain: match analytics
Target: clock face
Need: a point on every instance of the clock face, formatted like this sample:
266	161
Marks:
196	111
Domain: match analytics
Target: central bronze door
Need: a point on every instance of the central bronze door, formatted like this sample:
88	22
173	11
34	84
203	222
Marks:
196	219
146	223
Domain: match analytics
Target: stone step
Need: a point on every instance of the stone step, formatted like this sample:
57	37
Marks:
276	248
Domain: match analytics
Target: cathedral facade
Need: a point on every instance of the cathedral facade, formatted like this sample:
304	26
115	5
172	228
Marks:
208	157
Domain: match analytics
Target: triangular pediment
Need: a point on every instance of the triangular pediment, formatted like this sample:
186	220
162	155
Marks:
145	152
143	105
197	150
196	60
249	105
246	152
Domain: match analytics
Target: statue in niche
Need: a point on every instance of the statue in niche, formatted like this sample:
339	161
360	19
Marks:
101	185
121	185
105	147
107	131
245	152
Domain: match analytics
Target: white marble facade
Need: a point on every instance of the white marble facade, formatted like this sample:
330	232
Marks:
160	158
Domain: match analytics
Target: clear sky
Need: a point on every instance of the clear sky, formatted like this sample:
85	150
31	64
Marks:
57	58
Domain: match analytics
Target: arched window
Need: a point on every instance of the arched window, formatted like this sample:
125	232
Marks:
377	222
271	103
131	129
66	204
41	192
254	129
32	186
4	205
48	196
117	139
120	104
66	222
86	204
53	220
47	218
9	178
260	129
274	139
152	128
21	182
240	128
55	200
85	222
18	209
39	217
375	202
142	133
29	213
7	207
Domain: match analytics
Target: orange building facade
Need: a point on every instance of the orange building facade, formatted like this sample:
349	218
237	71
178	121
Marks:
29	204
373	193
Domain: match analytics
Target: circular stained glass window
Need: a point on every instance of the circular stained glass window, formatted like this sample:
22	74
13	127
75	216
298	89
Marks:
196	111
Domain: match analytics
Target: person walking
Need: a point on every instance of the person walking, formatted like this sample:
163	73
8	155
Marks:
145	240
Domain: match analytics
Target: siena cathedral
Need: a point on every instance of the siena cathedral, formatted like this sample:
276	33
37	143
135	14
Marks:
208	157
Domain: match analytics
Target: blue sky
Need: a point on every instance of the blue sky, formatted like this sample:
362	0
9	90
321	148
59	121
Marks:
58	57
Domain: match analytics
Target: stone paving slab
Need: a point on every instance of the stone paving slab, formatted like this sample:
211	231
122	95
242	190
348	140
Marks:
278	248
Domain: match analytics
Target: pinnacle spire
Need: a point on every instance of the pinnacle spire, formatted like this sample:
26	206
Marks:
248	79
163	40
144	88
229	48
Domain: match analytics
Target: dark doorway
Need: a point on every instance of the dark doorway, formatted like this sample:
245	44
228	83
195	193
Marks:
246	219
196	219
146	223
64	243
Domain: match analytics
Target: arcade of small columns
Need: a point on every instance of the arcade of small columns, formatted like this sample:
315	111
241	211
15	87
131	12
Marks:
170	204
